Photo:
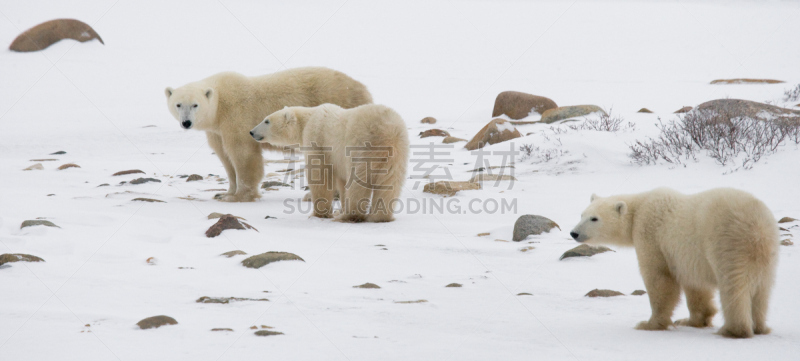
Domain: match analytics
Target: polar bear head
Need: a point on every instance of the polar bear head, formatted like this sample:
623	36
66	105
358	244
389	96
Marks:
606	220
284	127
193	106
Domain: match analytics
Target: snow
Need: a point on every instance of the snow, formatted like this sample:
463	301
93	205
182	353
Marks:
422	58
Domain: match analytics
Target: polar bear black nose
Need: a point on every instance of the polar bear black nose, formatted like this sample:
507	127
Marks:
251	134
187	123
574	235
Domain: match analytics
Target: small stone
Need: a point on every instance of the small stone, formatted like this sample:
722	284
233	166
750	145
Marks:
151	200
156	322
644	110
416	301
215	215
787	242
524	294
483	177
103	185
226	222
532	225
194	177
233	253
449	188
264	259
787	220
226	300
267	333
270	184
126	172
37	166
574	111
500	240
603	293
584	250
60	152
152	261
451	139
44	160
638	293
428	120
526	249
144	180
483	234
267	327
434	133
685	109
222	329
68	165
454	285
18	257
367	285
254	327
37	222
746	81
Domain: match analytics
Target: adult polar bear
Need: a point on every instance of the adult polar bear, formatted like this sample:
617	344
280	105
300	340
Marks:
227	105
722	238
361	152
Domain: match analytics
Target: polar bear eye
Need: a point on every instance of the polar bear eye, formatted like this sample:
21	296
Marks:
194	106
178	105
266	121
594	219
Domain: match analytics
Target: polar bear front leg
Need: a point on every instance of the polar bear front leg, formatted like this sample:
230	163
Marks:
248	164
701	307
662	288
215	142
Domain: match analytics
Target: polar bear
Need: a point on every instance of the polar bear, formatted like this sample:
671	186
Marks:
722	238
227	105
359	152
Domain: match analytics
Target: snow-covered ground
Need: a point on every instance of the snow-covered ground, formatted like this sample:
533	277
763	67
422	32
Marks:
444	59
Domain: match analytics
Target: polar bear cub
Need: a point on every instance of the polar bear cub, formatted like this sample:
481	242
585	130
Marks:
359	152
722	238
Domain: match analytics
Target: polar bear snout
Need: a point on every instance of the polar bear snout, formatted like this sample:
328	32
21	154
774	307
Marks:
186	124
574	235
255	136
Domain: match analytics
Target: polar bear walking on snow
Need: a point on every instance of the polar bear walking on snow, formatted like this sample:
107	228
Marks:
722	238
360	152
227	105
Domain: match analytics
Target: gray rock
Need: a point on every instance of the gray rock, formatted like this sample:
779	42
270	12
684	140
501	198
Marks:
270	184
126	172
226	300
638	293
37	222
60	152
574	111
787	220
194	177
747	108
261	260
584	250
367	285
603	293
532	225
454	285
144	180
233	253
267	333
428	120
150	200
18	257
156	322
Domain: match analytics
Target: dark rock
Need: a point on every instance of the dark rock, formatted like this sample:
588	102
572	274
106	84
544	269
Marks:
498	130
50	32
644	110
518	105
415	301
454	285
68	165
233	253
156	322
126	172
434	133
18	257
638	293
60	152
267	333
215	215
270	184
746	81
746	108
261	260
222	329
226	300
685	109
227	222
151	200
194	177
603	293
428	120
103	185
584	250
44	160
144	180
532	225
786	220
524	294
574	111
37	222
367	285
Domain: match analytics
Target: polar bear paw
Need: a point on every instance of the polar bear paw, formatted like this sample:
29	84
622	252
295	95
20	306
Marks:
652	326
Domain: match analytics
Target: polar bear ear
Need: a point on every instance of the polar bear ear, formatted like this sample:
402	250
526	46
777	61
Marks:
289	116
594	196
209	93
168	92
621	208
